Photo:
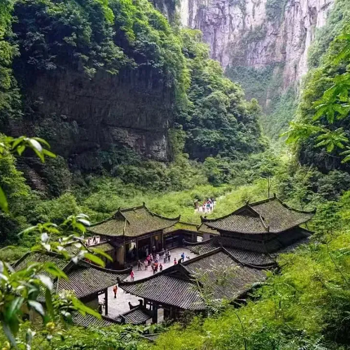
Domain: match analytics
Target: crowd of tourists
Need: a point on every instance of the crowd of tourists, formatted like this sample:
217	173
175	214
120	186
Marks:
206	207
156	261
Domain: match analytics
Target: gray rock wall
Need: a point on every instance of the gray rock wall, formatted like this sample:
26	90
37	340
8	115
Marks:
80	116
257	34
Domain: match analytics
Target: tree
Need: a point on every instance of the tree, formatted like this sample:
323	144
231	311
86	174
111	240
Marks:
22	288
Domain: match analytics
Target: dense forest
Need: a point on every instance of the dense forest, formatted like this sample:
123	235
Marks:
121	105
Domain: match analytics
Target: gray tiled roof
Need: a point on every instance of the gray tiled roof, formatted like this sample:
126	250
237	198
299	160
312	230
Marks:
280	217
167	290
105	246
269	216
202	247
136	316
86	279
214	266
30	258
177	285
83	278
132	223
239	223
203	228
241	249
89	320
244	256
251	258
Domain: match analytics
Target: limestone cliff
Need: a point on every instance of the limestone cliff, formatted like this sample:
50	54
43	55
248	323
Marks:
81	116
258	33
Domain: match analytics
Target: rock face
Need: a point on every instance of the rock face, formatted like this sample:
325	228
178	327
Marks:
258	33
81	116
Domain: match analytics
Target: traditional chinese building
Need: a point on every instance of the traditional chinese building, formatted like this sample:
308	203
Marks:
249	240
88	281
175	236
256	233
134	233
181	288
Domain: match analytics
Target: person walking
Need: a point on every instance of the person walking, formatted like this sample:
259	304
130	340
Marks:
160	267
139	265
132	275
183	256
175	262
115	290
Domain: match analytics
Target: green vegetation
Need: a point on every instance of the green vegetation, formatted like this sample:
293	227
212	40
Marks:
336	23
304	307
217	151
218	121
132	38
321	131
265	85
281	111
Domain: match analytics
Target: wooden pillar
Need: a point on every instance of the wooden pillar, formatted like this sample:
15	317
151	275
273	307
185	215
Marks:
162	240
106	301
137	248
120	255
151	245
124	251
155	312
194	237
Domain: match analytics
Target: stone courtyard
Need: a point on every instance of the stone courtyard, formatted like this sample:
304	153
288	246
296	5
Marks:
120	305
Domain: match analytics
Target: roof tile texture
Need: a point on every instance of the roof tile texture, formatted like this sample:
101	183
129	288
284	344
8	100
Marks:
262	217
132	223
168	290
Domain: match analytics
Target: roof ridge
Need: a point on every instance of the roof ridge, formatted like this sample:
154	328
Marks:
251	266
188	223
205	220
102	221
138	307
263	201
201	256
115	272
275	198
131	208
262	219
160	216
247	205
296	210
23	257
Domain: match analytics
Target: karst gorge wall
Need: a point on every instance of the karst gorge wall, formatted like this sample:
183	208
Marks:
262	44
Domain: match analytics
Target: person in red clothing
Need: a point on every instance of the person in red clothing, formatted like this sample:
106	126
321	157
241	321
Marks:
132	275
175	262
115	290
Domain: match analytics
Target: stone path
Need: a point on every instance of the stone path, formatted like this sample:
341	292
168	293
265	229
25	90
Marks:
120	304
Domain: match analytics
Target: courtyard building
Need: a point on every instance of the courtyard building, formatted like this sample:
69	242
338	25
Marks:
134	233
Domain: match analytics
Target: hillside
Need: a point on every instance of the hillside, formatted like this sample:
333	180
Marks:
96	79
263	45
135	124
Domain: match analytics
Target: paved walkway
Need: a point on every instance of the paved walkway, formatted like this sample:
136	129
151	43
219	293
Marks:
120	304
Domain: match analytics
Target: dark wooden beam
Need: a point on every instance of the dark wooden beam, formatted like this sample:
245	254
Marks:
106	301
